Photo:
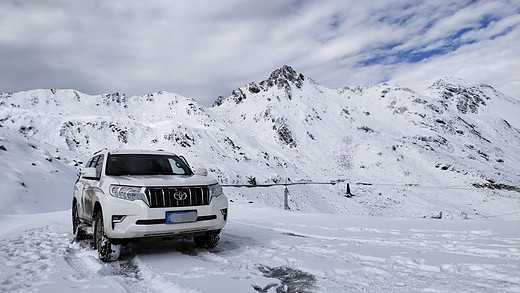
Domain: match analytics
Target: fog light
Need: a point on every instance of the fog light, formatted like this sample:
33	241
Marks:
117	219
224	213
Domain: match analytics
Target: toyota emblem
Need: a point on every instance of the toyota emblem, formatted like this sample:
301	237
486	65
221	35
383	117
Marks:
180	195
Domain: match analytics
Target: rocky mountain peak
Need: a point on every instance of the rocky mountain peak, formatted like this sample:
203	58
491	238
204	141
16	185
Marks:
466	97
283	78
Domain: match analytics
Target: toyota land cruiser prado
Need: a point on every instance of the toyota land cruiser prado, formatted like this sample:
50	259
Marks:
128	195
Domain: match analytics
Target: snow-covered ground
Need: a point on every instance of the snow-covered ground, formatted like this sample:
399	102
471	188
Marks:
265	249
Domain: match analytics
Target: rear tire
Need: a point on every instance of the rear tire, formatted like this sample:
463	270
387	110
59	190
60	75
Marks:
77	229
207	241
107	250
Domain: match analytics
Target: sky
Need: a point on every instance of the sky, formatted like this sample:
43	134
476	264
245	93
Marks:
204	49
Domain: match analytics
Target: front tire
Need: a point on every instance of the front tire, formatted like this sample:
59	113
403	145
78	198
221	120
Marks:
207	241
77	229
107	250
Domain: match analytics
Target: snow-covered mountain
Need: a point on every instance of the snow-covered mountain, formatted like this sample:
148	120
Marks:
394	145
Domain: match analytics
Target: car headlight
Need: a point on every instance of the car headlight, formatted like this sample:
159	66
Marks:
215	190
128	192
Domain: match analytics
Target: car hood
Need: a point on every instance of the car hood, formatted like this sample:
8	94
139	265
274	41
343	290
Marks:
165	180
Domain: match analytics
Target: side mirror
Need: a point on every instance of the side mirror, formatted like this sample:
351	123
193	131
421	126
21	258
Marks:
201	172
89	173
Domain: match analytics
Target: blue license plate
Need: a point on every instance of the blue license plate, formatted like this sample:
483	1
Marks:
181	217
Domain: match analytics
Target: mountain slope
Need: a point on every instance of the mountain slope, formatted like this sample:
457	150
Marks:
34	177
383	133
396	146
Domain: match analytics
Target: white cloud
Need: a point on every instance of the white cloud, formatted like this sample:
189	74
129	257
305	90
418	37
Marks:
204	49
494	62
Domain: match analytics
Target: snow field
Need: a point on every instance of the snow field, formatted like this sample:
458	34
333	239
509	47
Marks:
266	249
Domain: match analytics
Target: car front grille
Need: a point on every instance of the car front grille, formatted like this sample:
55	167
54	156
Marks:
162	197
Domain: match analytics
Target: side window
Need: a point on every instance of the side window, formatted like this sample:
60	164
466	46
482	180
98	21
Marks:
96	162
89	163
99	165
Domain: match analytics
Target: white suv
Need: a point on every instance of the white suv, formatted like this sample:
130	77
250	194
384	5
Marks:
127	195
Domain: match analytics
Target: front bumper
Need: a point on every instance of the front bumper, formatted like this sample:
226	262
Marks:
134	219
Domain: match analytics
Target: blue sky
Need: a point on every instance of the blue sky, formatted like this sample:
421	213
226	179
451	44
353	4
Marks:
203	49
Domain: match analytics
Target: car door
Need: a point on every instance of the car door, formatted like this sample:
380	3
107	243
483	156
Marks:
82	186
91	185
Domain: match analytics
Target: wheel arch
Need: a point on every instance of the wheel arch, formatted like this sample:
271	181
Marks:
97	209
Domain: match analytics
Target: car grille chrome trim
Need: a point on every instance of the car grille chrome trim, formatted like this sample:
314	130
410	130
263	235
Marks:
163	221
163	197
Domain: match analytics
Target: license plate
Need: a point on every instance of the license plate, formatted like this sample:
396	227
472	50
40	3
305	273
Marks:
181	217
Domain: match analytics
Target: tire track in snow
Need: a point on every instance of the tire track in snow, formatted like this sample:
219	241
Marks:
128	271
87	266
30	260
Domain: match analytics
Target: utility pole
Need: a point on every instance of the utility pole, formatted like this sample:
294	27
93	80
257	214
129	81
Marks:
286	199
348	191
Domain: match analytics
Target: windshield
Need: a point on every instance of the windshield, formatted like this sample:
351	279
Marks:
145	164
